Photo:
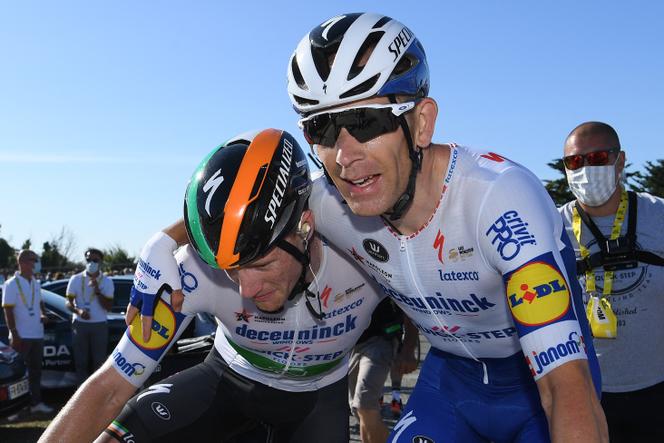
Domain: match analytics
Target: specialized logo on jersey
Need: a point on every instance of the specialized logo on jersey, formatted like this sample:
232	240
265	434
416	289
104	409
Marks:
537	294
494	157
509	234
325	295
375	250
163	327
438	243
538	362
188	280
243	316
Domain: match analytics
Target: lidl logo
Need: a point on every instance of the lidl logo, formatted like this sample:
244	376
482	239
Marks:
163	328
537	294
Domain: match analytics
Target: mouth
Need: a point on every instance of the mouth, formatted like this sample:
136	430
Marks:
263	297
361	184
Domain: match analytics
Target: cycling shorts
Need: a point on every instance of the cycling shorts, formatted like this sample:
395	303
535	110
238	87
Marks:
451	403
210	403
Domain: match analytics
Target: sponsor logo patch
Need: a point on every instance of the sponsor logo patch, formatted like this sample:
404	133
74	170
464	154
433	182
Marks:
509	233
376	250
188	280
243	316
127	367
537	294
438	243
160	410
537	362
163	328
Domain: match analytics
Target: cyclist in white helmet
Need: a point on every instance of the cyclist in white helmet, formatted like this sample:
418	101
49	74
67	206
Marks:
467	243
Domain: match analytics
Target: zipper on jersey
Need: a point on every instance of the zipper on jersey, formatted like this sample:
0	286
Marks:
414	283
295	335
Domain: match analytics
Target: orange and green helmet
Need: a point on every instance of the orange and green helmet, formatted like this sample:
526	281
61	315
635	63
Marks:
245	196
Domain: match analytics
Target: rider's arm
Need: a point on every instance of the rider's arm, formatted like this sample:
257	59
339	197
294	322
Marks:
406	360
105	294
177	232
570	404
524	239
98	401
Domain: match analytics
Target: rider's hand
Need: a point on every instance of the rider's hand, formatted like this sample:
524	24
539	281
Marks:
156	270
405	362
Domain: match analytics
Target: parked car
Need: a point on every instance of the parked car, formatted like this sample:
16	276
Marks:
58	356
58	361
14	387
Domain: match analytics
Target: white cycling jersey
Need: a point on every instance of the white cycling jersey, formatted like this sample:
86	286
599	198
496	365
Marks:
485	277
289	350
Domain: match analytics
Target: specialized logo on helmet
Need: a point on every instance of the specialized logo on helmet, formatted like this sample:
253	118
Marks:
375	250
211	185
163	327
401	42
537	294
281	185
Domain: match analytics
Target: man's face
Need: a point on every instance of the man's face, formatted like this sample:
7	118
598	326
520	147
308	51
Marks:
370	176
93	257
269	280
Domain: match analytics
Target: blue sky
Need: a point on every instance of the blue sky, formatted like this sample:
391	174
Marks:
107	107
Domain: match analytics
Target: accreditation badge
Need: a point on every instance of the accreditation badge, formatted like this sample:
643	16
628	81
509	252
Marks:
603	322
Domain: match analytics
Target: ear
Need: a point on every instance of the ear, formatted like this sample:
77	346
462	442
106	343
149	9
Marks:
621	162
305	227
426	113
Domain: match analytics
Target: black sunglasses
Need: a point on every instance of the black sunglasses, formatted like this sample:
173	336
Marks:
595	158
362	122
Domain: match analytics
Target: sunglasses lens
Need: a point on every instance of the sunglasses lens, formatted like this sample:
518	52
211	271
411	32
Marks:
321	130
573	162
363	124
372	123
597	158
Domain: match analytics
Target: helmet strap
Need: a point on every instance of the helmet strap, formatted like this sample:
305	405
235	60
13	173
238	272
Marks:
302	286
415	155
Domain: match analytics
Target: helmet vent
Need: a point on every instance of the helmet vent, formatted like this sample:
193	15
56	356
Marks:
362	87
382	22
364	53
305	101
297	74
323	57
260	177
404	65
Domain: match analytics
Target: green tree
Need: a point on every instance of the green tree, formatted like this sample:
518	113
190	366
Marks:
52	258
27	244
7	255
652	181
116	258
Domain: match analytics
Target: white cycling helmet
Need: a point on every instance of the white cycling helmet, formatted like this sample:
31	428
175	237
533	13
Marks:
326	68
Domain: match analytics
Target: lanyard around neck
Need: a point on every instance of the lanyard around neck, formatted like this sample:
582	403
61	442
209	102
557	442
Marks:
585	253
92	296
20	291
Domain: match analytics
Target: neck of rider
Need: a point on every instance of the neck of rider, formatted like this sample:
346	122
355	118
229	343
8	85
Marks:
429	181
608	208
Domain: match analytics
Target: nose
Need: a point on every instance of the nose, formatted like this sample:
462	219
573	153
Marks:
250	285
348	149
